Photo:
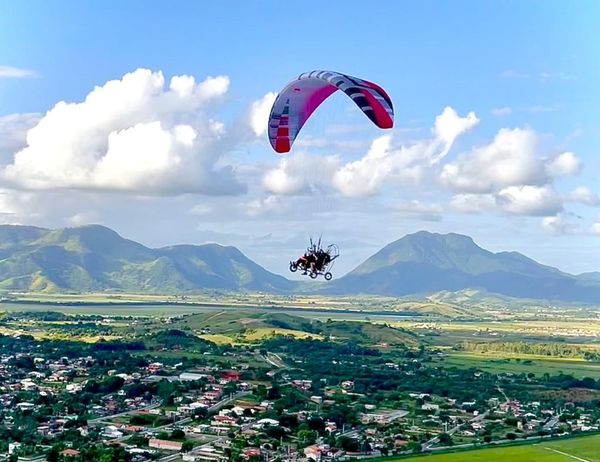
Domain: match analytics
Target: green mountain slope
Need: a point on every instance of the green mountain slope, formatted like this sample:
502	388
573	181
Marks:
95	258
92	258
425	263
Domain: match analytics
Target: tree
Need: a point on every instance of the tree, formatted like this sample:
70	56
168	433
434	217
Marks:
260	392
446	439
348	444
53	454
289	421
177	434
316	424
306	437
187	446
275	432
273	393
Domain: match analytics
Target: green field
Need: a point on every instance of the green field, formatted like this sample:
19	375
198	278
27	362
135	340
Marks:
518	364
166	309
585	449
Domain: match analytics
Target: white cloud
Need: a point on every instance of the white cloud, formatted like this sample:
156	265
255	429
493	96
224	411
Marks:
268	204
501	111
13	132
508	160
406	164
557	225
311	142
449	126
596	227
421	210
529	200
301	174
15	72
259	113
82	218
473	203
130	135
584	195
565	164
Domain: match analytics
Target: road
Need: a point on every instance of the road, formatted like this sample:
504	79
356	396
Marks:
132	411
226	401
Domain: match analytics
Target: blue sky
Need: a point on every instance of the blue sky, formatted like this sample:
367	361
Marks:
531	66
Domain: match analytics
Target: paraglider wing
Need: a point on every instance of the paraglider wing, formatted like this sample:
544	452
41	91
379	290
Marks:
301	97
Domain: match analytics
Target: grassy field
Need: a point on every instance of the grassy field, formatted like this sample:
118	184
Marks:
166	309
268	332
256	335
522	363
39	334
585	449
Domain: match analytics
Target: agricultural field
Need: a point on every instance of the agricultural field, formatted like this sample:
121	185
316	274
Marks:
584	449
520	364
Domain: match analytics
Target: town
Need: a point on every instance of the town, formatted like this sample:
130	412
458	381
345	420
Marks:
172	395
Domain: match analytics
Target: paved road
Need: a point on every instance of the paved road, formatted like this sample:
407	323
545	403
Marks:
132	411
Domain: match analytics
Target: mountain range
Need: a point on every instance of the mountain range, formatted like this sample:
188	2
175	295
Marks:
96	258
424	262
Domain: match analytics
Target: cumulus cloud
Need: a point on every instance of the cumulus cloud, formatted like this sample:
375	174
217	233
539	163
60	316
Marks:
529	200
448	127
565	164
509	160
596	227
7	72
259	113
268	204
311	142
557	225
584	195
82	218
385	162
421	210
132	135
13	132
301	174
473	203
